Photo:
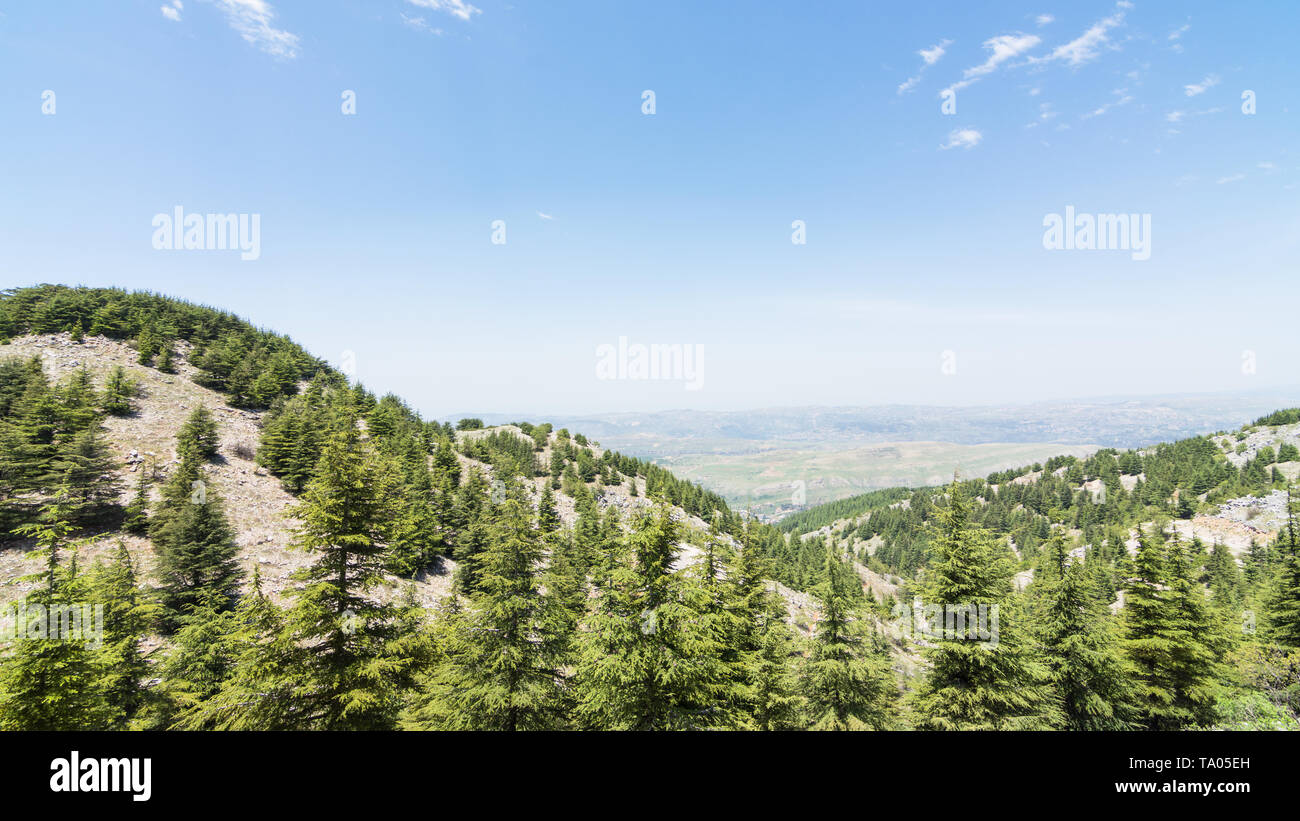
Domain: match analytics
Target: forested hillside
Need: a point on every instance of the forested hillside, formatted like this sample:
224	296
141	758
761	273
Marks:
1185	551
276	548
557	553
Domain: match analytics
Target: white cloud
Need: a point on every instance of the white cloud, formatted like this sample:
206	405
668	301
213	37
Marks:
419	24
962	138
252	19
1045	113
1003	47
1088	45
931	56
1123	98
173	11
1179	32
1044	19
1178	116
1233	178
1198	88
456	8
545	216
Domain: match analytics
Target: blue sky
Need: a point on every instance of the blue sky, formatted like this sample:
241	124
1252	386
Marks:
924	229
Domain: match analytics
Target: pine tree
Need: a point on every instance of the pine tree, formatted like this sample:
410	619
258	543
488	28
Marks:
472	511
722	619
119	391
344	661
1223	578
547	519
136	519
198	437
165	363
443	636
847	680
411	524
147	345
565	580
77	399
645	663
503	668
992	684
1082	646
127	615
198	559
239	654
86	468
764	645
52	682
1169	635
1284	618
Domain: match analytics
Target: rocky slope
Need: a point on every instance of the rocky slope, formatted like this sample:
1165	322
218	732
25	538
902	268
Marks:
256	503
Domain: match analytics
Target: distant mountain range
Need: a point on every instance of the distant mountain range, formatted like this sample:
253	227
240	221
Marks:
1120	422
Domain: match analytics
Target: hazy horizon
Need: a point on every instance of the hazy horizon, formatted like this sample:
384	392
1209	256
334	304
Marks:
801	210
1282	390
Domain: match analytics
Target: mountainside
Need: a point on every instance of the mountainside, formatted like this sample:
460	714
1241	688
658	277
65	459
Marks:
776	482
257	502
1222	490
275	547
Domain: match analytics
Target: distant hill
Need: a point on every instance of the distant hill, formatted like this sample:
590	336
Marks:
777	460
1120	422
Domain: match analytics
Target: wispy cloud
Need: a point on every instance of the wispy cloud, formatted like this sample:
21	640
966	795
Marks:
1043	19
456	8
172	11
252	19
1088	45
1002	48
1179	116
930	56
419	24
1233	178
545	216
1045	113
962	138
1122	98
1177	33
1199	88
